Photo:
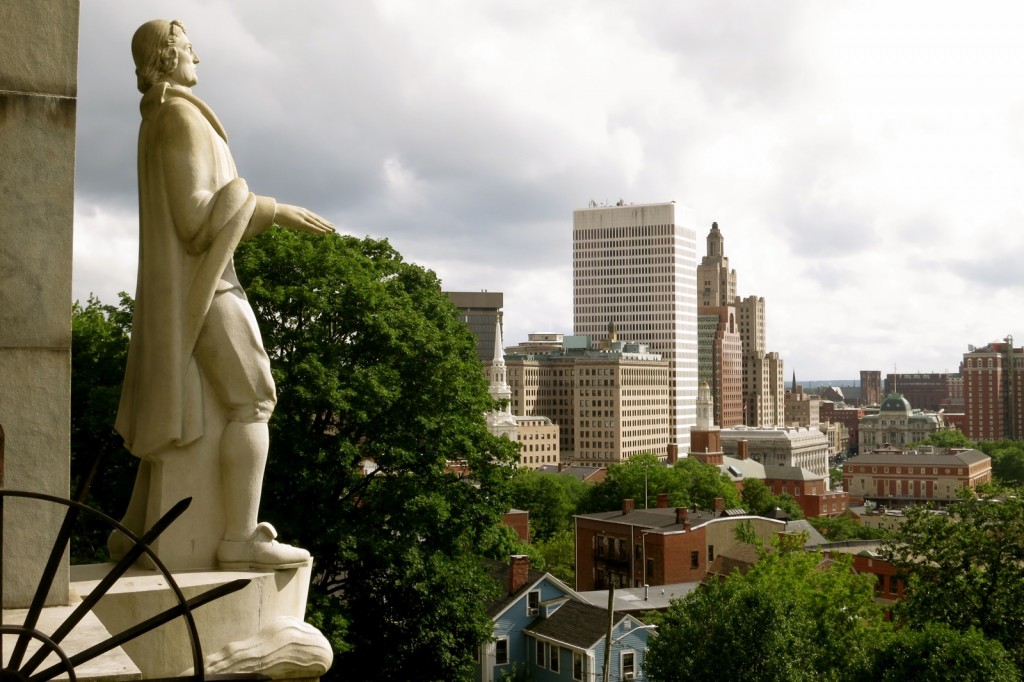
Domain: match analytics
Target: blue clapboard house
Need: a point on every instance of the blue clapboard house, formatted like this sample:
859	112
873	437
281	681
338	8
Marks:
547	631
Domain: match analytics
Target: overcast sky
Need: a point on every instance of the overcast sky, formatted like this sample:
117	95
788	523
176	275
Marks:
865	161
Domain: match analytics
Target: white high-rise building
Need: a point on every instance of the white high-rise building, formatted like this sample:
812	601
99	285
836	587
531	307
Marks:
636	266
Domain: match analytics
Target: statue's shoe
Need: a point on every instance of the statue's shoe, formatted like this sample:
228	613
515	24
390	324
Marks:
261	550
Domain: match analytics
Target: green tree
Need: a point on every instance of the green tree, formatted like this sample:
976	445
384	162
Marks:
947	438
1007	460
939	653
838	528
373	366
758	499
559	555
793	616
639	478
701	483
965	568
642	477
551	500
99	348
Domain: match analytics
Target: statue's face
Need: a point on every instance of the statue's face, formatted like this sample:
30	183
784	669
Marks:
185	72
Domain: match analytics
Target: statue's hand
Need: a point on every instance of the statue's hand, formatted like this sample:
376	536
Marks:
301	220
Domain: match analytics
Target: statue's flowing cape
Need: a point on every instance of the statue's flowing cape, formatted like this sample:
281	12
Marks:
193	212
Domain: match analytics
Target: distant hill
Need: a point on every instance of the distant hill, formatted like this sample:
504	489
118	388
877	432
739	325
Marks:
828	382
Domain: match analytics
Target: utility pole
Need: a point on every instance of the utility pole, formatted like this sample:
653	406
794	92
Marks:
608	637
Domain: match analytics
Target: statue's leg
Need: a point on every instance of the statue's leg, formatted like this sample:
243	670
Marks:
243	457
230	353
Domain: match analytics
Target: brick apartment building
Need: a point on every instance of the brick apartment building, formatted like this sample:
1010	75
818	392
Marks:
665	545
993	390
897	477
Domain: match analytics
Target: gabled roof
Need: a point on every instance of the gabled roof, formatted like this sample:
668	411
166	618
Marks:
938	457
499	571
814	538
576	624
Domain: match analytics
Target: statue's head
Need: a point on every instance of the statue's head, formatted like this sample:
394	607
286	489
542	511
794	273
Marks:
154	48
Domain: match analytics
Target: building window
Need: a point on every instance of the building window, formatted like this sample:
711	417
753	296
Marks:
553	659
533	603
577	665
628	661
542	654
711	553
501	651
694	559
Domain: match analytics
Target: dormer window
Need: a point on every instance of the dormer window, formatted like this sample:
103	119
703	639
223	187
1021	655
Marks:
533	603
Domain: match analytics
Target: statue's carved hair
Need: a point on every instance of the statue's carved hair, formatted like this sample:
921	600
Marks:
153	51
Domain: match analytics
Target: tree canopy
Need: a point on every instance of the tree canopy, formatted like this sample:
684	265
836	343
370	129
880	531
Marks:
99	348
794	616
379	387
965	567
643	476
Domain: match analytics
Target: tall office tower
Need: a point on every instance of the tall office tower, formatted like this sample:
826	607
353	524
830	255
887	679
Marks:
716	283
994	391
870	387
636	266
481	311
762	390
720	346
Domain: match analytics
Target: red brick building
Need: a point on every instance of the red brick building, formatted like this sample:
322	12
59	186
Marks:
993	386
889	585
897	477
927	391
829	411
665	545
808	489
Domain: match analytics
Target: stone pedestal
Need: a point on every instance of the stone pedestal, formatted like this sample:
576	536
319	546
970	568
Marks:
113	666
257	629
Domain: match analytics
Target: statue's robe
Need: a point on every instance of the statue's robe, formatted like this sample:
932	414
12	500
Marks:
193	212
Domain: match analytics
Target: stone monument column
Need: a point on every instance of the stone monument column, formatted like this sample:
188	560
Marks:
38	91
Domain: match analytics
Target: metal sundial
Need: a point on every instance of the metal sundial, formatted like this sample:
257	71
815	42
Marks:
23	666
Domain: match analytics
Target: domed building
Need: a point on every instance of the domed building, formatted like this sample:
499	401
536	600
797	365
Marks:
897	424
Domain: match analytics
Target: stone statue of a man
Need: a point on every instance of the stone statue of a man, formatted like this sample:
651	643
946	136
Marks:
193	326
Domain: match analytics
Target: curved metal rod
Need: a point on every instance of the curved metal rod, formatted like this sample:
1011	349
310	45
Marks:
108	581
69	668
193	632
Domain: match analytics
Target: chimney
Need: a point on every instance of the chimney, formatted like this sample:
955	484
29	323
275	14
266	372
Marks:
682	516
628	505
673	453
743	449
518	572
662	500
719	505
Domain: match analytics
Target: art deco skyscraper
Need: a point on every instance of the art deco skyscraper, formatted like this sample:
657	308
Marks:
755	395
636	266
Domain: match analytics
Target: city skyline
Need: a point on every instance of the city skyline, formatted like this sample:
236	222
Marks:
862	161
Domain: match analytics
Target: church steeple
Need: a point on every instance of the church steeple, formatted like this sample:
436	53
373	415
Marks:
498	374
